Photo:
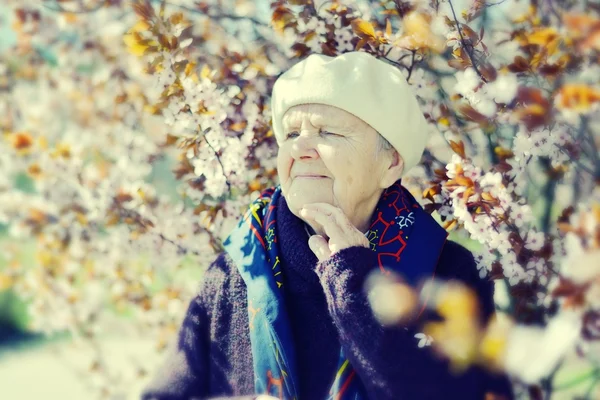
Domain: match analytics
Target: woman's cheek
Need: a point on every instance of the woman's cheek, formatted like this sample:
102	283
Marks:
284	166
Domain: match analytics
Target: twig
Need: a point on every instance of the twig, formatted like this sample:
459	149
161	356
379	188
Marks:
412	65
547	382
220	163
576	161
462	40
179	247
585	129
549	194
550	4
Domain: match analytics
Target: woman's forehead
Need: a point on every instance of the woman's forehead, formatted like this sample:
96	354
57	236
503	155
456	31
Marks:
319	115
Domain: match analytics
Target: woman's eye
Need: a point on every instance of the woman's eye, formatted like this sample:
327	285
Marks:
291	135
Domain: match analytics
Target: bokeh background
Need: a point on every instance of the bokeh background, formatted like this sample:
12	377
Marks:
131	141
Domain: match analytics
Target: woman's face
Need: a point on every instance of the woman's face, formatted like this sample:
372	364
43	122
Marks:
328	155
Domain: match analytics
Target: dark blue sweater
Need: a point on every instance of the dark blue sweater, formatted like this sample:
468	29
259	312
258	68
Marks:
328	308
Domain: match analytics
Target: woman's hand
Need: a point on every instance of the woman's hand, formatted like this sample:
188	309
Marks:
336	225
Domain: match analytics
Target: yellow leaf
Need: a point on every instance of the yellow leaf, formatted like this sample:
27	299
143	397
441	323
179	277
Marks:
70	17
430	192
542	36
34	170
133	45
444	121
534	109
388	28
363	29
577	97
82	219
468	193
492	347
450	225
189	68
238	126
205	72
140	26
502	152
553	46
486	196
176	18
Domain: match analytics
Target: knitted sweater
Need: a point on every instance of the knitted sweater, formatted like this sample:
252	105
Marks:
327	308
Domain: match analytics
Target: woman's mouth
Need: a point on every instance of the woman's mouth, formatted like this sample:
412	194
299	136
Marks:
311	176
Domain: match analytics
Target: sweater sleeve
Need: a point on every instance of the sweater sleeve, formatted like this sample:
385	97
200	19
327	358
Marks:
184	373
388	359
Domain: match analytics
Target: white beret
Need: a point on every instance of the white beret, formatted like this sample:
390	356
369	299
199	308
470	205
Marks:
360	84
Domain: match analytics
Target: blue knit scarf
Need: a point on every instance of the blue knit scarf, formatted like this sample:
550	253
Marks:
407	240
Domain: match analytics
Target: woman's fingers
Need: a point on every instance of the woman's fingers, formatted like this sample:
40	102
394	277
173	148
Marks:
326	220
336	225
335	213
319	247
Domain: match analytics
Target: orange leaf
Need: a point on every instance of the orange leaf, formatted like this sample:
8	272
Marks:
238	126
22	140
459	64
281	17
430	192
361	44
578	97
467	193
471	114
464	181
458	148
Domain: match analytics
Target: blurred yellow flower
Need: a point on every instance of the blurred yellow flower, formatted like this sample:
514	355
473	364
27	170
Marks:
577	97
418	34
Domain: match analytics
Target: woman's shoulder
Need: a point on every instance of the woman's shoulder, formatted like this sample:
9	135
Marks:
456	261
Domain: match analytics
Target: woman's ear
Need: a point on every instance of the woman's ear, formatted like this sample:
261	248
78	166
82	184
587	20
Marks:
395	167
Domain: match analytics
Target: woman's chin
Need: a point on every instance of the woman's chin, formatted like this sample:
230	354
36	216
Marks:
296	200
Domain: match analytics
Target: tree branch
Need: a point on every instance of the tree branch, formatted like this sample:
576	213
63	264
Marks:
220	163
462	40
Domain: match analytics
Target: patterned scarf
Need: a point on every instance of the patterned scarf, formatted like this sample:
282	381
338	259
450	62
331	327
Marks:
407	240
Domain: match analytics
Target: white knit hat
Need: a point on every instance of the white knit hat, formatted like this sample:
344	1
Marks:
360	84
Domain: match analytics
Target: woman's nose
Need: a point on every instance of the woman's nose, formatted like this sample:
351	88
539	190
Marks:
304	147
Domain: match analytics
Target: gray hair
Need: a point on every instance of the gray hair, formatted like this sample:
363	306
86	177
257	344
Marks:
383	145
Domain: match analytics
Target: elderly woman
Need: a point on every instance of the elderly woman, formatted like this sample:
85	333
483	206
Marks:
283	310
